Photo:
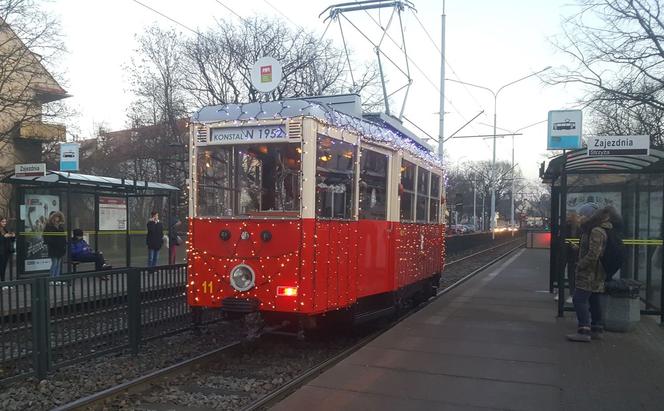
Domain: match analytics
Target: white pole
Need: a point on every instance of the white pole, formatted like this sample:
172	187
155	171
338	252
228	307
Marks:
492	223
474	205
441	121
512	208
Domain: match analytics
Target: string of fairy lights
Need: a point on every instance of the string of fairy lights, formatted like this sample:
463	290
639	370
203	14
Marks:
324	250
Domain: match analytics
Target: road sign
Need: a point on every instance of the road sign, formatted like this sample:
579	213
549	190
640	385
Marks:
30	170
564	129
69	155
618	145
266	74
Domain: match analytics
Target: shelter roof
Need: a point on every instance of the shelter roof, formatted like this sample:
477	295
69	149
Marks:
64	178
578	162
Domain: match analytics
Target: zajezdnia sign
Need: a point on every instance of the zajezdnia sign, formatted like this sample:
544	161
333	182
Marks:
618	145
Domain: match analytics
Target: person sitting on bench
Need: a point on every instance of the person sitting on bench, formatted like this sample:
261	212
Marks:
80	251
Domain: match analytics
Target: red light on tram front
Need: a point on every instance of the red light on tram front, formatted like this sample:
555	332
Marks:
284	291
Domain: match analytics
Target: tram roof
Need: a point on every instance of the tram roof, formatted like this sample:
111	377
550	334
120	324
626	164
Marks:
373	127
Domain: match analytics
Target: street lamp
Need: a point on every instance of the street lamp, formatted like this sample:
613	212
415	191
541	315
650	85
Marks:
493	161
515	133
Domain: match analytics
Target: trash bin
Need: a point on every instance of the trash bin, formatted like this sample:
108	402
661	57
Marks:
621	305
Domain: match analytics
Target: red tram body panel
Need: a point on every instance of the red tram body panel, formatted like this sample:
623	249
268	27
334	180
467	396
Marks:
292	215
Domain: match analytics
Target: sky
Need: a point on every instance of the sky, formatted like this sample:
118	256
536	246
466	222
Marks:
488	43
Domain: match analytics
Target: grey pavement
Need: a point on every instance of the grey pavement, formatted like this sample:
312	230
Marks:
495	343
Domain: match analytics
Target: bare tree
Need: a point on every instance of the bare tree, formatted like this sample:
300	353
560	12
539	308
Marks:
30	44
220	62
616	49
476	176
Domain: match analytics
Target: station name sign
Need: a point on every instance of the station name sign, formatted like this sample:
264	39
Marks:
30	170
618	145
235	135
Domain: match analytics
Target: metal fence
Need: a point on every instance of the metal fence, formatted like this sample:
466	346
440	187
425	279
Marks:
47	323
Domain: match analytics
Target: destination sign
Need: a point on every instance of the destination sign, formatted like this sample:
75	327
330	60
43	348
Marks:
234	135
618	145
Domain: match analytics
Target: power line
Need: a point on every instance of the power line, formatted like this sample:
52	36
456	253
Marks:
168	18
446	62
230	10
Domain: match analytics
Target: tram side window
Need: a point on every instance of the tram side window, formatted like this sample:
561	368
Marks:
407	190
335	176
434	200
373	185
248	179
422	194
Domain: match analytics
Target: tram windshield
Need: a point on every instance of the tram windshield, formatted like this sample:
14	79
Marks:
246	180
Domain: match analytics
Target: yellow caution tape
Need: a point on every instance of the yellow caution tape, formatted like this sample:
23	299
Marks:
65	234
626	241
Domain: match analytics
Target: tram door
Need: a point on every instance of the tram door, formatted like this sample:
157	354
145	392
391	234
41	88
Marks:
335	230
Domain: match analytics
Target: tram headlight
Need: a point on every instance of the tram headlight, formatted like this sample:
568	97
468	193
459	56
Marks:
242	277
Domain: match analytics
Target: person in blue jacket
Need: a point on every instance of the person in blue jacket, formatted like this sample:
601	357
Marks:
79	250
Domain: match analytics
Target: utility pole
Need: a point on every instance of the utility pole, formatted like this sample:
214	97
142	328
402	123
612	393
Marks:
441	120
474	204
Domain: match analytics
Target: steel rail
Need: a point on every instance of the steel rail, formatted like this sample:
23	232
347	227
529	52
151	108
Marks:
483	251
140	383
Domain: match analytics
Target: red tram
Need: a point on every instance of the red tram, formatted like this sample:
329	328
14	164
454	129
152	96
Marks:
300	208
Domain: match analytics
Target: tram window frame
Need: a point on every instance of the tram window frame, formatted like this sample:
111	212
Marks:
434	199
235	190
422	199
375	179
407	191
330	178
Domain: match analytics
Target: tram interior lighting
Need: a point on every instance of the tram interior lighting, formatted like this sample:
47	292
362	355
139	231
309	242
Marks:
285	291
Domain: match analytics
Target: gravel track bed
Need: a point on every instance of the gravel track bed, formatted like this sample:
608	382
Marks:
70	383
234	381
230	384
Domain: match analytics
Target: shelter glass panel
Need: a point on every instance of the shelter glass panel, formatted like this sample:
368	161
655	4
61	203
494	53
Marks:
335	179
139	214
373	185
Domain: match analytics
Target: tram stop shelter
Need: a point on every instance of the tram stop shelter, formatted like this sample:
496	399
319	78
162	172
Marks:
634	186
112	212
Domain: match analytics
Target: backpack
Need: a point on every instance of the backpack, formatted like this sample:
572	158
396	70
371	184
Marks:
612	258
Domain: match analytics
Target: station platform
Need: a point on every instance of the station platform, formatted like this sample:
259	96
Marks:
494	343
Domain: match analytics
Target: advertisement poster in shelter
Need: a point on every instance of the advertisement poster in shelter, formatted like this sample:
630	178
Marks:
112	213
38	207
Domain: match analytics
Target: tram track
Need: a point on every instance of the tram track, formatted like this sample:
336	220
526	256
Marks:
191	377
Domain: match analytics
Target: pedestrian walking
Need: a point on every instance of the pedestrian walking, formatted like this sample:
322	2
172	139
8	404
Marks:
174	240
154	238
7	239
590	273
56	242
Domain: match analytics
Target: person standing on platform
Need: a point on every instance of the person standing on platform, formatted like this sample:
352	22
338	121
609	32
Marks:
154	238
7	239
174	240
590	274
56	242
